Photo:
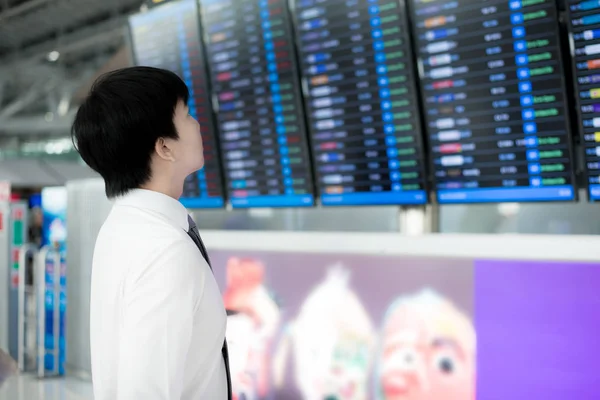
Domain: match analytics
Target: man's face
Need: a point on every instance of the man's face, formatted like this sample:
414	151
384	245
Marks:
189	152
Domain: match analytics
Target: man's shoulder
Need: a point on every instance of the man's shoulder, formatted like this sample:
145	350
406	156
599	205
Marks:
139	244
135	239
132	224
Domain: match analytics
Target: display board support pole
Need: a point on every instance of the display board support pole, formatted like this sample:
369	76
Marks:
418	220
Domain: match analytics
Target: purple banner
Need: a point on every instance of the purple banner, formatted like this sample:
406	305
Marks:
537	327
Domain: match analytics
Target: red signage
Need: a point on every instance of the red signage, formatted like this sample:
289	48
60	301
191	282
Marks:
4	191
17	213
15	256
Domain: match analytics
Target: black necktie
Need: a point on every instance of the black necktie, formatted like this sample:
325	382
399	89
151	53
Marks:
195	235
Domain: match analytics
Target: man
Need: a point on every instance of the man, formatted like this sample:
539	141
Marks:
157	318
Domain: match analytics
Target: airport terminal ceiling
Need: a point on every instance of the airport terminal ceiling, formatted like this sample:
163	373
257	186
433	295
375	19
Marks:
46	68
50	51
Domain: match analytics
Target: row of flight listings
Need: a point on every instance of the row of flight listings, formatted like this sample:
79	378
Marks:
330	101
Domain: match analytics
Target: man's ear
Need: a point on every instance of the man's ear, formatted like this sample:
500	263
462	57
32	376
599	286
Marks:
163	149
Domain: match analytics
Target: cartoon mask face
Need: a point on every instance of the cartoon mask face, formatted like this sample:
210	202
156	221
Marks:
333	338
428	351
258	319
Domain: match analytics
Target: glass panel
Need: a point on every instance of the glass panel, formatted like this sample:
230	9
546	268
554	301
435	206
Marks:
580	218
343	219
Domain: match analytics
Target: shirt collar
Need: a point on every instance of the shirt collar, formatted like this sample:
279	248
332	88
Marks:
157	202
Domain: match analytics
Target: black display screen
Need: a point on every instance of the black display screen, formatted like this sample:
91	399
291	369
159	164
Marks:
584	25
168	37
493	93
361	101
260	114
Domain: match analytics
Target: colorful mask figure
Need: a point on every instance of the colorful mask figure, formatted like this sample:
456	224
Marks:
250	333
240	335
427	351
332	339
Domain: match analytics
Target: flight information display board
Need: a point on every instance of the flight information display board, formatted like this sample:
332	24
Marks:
361	101
168	37
584	19
255	80
493	88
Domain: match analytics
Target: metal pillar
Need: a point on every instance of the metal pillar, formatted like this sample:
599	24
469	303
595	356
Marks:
34	93
2	89
34	293
18	236
27	310
4	272
42	266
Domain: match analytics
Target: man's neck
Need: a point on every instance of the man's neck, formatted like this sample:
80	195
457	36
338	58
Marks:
172	189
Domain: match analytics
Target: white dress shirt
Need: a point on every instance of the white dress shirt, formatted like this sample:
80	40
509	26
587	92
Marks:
157	316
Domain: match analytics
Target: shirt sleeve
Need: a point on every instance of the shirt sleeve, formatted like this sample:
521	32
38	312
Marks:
160	301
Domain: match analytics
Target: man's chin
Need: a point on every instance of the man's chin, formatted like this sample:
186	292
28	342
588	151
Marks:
199	166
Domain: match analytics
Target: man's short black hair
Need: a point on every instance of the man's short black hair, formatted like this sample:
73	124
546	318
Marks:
117	126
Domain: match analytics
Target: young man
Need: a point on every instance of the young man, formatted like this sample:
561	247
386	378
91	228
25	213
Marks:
157	316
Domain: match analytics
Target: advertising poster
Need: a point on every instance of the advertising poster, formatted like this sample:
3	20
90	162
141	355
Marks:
348	327
358	327
54	209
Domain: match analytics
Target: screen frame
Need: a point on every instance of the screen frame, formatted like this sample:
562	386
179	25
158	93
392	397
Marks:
299	103
566	112
188	201
577	102
422	145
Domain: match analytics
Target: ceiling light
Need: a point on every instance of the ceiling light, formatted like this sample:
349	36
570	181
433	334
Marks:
63	107
53	56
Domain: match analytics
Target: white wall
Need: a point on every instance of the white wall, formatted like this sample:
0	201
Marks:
86	211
